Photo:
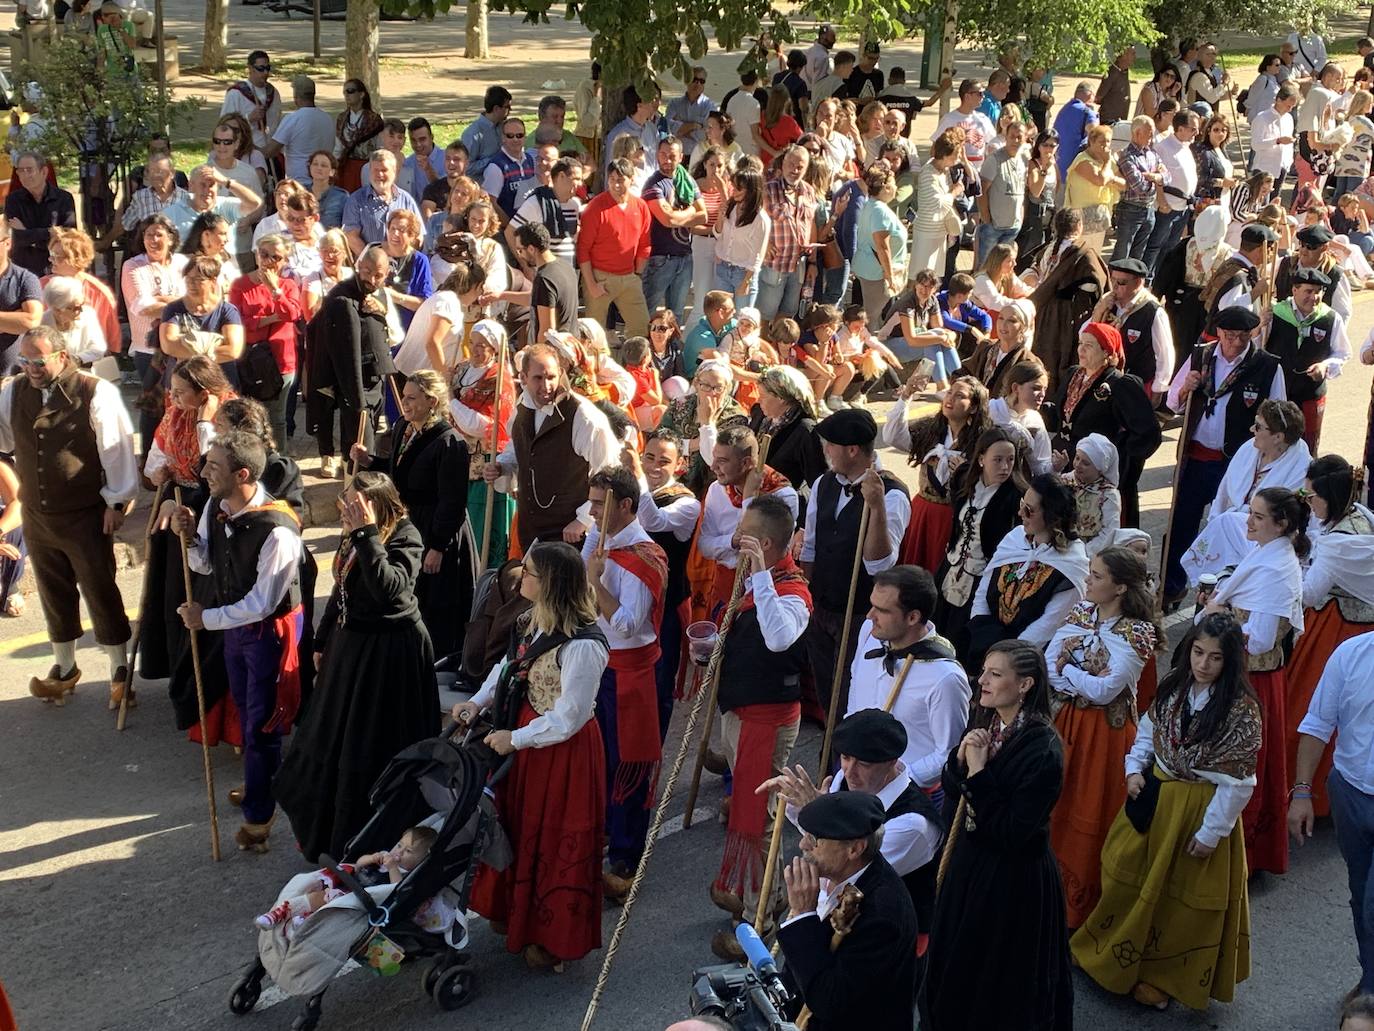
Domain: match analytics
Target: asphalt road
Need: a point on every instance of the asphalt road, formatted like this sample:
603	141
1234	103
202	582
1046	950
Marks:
114	917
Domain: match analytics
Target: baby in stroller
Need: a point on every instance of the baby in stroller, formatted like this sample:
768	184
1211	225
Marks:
369	870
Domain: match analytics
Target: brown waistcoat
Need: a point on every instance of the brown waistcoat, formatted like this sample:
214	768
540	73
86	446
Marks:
551	476
54	445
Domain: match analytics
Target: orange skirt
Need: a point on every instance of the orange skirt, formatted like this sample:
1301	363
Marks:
1324	630
1094	792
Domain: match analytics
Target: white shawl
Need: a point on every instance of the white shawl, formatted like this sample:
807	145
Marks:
1268	580
1288	470
1346	560
1017	550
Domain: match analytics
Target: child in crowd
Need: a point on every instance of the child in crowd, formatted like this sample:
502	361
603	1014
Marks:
749	354
819	359
1094	482
647	406
877	365
372	869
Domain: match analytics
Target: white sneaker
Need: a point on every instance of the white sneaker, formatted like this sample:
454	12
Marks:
862	399
329	467
835	403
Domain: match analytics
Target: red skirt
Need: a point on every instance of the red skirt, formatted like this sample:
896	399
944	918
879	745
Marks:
350	175
1266	814
1094	792
1324	629
221	723
927	535
552	807
1148	685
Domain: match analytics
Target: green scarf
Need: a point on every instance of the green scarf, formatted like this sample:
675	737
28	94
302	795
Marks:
1285	310
684	186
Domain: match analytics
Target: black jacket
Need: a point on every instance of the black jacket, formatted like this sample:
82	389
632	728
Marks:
1115	406
869	982
431	476
349	352
379	590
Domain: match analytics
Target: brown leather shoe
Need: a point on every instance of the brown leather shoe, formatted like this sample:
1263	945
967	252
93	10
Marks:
119	683
236	795
723	814
539	958
727	947
252	837
615	886
55	686
728	901
715	763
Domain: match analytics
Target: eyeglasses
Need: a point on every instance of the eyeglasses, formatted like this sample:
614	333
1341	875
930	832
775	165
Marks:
513	135
75	309
269	259
659	327
262	67
34	363
224	143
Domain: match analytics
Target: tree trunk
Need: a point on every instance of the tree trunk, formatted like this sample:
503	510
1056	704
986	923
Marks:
212	48
360	38
477	45
951	37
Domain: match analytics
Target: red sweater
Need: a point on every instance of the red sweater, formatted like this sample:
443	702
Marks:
612	238
255	302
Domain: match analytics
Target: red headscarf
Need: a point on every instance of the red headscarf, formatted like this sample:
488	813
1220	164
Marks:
1109	337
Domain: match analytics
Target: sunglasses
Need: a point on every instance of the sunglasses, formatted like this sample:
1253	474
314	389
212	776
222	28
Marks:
513	135
262	67
34	363
225	143
269	259
352	89
699	82
660	327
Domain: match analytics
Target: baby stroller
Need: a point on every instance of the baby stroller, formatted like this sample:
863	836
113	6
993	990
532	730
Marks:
440	783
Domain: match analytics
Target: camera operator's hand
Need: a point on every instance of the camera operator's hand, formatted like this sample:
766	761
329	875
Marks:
803	887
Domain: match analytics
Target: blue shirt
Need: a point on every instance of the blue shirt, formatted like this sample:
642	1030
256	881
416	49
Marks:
182	214
684	110
649	134
877	217
992	108
367	213
666	240
1343	705
966	315
482	139
1072	123
413	172
701	338
331	205
847	225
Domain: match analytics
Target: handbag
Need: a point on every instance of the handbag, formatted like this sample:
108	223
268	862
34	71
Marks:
259	377
953	224
1141	809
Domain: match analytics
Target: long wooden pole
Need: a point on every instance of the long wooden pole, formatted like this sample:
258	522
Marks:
200	695
774	847
896	686
142	610
360	439
843	642
491	452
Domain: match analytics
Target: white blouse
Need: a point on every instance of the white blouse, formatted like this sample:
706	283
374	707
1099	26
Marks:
1123	669
580	665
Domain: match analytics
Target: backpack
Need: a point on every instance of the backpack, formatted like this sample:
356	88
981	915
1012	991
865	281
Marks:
1241	98
259	377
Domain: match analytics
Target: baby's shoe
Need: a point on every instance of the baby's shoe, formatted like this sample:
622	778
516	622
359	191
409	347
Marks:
274	916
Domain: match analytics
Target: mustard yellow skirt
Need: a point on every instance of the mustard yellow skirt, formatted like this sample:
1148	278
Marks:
1177	923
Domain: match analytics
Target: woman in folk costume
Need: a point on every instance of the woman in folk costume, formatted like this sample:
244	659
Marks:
1174	917
939	444
1276	456
472	410
1072	279
1023	392
1095	661
1139	541
787	413
376	692
1264	595
1337	595
1093	482
986	504
429	463
1097	397
999	910
596	363
553	803
1034	578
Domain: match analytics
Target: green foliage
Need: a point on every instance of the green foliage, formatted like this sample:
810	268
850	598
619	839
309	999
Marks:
1201	18
417	8
96	108
1077	34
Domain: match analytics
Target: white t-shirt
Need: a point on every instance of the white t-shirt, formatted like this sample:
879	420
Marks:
1309	116
413	355
978	132
744	109
301	133
1267	128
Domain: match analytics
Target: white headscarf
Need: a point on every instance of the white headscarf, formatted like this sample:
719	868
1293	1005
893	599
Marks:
1288	470
1123	536
1101	452
492	331
1024	307
716	365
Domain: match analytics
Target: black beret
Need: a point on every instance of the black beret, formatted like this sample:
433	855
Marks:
849	426
842	816
1315	236
1257	233
871	736
1237	317
1130	266
1314	276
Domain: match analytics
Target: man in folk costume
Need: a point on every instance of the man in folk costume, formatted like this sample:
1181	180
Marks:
1314	252
668	511
1309	339
73	450
250	544
870	744
832	538
474	406
557	439
1230	378
1240	280
760	704
1146	333
849	941
739	480
629	574
257	100
932	705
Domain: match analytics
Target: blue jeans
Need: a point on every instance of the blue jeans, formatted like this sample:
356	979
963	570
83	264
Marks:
779	293
1343	184
1364	241
988	236
946	359
1167	232
667	278
729	277
1353	813
276	410
834	286
1133	225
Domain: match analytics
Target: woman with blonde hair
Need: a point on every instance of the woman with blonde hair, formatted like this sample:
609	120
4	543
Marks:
1092	185
936	215
410	281
540	701
631	149
70	253
336	265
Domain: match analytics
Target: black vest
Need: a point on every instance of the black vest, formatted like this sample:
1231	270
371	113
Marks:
751	674
837	537
677	551
1137	335
1251	387
1283	281
921	881
234	556
1297	352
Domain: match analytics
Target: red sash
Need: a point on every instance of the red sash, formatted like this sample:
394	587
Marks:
647	563
787	580
741	867
287	629
636	691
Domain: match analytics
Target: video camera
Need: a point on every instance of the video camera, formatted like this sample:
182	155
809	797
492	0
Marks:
737	994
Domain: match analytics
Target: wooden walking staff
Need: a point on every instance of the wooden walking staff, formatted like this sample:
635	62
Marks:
712	671
713	682
1180	458
492	452
844	641
142	610
774	847
360	439
200	696
897	684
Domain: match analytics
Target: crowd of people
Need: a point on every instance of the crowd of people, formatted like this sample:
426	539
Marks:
622	381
